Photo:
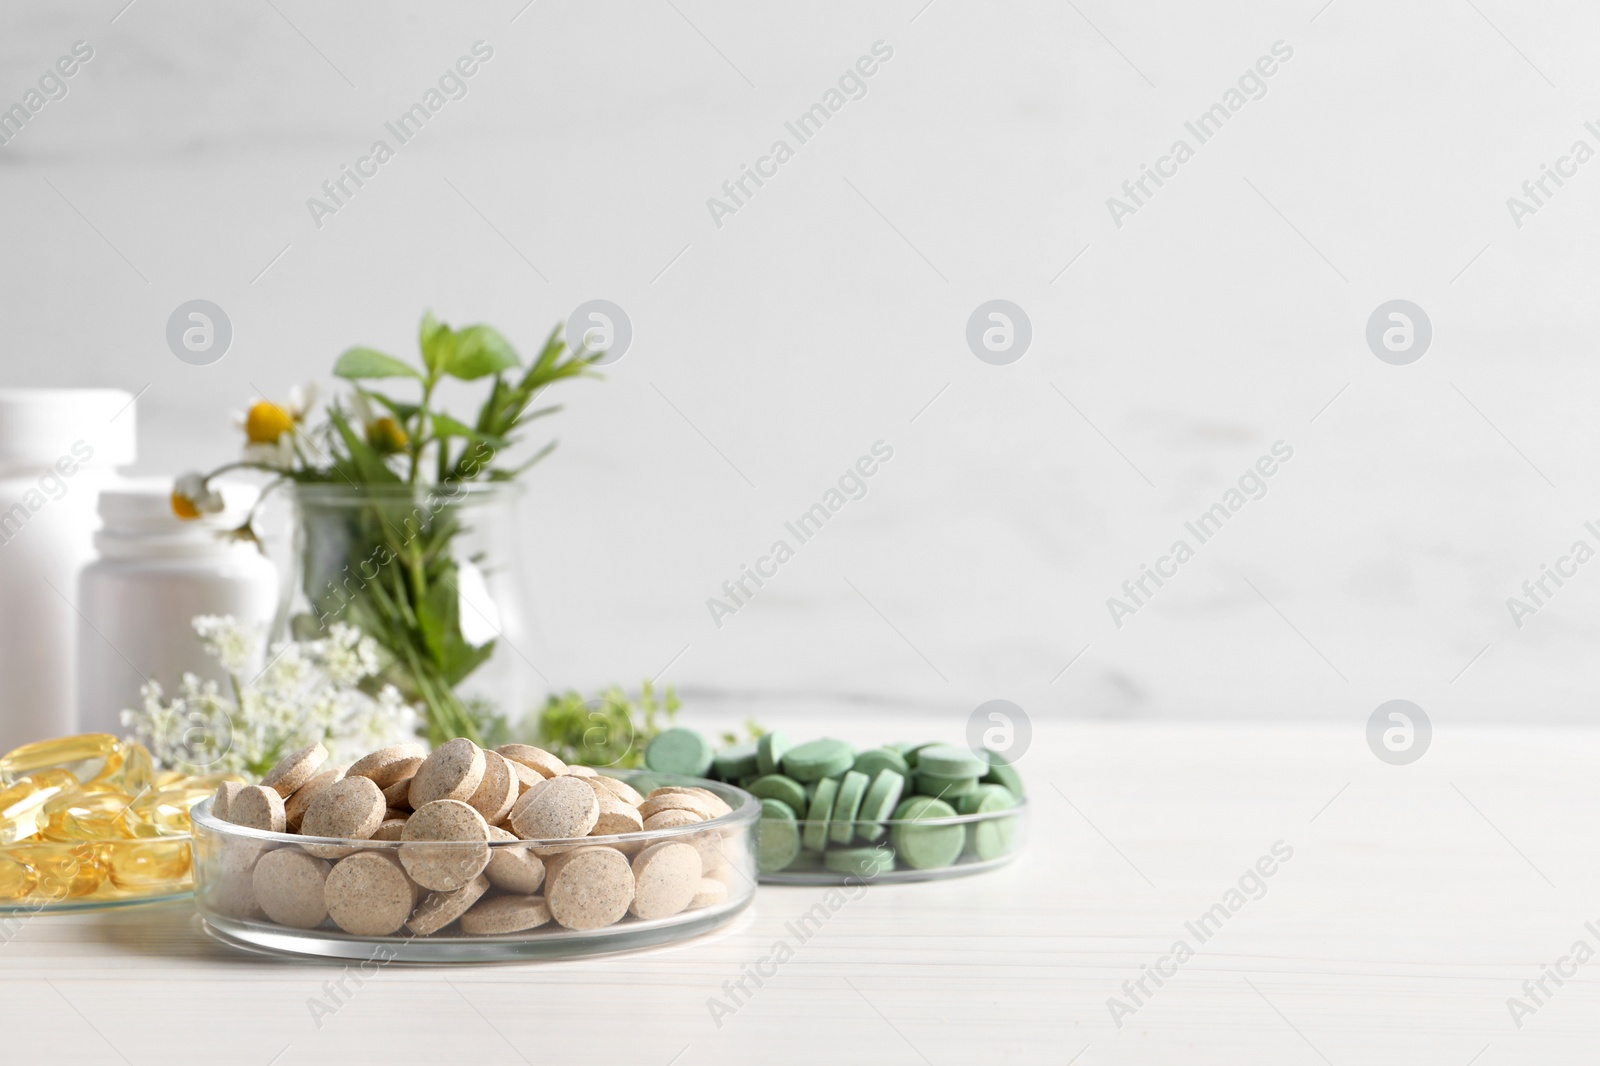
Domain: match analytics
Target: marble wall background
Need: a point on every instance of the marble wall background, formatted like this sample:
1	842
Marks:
1168	354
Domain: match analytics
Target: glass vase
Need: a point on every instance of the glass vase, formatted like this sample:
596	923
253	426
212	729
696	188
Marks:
432	575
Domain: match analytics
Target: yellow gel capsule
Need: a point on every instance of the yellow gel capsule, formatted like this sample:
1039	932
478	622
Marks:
63	751
166	778
148	864
22	804
66	871
17	878
110	771
138	768
168	811
206	782
92	788
88	816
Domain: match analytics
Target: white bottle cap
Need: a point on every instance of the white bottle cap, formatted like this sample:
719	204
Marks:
144	505
38	427
137	521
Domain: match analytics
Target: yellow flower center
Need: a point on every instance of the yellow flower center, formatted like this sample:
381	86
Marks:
266	422
386	435
184	507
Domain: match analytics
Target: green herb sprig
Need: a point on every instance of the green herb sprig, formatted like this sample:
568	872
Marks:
613	729
396	453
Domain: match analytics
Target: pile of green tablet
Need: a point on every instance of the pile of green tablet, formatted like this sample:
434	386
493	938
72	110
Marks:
826	806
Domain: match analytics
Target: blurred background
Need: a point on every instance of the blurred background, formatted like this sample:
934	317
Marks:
772	347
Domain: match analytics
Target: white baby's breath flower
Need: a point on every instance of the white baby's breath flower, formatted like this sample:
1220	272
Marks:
310	691
237	647
345	656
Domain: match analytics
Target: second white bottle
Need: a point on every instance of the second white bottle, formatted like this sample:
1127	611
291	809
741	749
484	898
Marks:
155	574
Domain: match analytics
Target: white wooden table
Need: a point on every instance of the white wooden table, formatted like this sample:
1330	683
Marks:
1417	900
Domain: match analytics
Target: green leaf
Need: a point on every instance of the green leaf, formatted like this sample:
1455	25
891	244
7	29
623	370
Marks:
491	404
439	618
433	338
365	464
445	426
358	364
542	412
403	411
437	615
507	475
478	352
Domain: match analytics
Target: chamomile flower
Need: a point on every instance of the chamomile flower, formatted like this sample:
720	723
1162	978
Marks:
193	497
384	434
270	428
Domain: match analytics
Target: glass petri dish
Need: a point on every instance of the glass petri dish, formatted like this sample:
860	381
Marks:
226	858
48	877
810	852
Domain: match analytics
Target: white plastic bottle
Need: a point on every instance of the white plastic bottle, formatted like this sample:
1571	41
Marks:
156	572
58	449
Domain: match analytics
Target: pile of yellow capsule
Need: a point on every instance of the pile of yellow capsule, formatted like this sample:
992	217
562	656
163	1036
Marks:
89	819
